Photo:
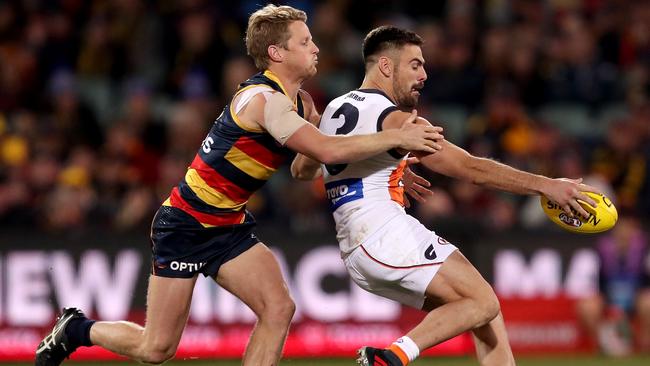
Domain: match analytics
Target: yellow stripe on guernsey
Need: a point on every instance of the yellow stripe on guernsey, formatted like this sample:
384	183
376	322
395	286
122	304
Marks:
234	115
248	165
208	194
269	74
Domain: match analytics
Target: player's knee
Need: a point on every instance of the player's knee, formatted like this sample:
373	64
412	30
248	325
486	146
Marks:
285	309
158	354
500	358
157	358
489	307
279	311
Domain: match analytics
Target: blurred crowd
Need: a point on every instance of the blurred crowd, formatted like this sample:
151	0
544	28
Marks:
104	103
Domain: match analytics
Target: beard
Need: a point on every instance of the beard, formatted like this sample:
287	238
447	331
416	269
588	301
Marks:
405	99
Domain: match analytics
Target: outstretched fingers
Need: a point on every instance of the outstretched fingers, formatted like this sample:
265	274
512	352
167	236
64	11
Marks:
572	195
586	199
578	208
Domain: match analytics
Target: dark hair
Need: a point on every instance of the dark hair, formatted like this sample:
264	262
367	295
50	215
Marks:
386	37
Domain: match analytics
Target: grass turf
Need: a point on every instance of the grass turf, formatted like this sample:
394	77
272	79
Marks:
434	361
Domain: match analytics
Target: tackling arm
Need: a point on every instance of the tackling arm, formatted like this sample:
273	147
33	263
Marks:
304	167
345	149
276	115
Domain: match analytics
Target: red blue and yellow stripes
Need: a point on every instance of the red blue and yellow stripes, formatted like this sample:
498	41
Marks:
239	161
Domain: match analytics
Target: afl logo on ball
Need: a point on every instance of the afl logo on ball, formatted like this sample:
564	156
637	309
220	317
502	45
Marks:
571	221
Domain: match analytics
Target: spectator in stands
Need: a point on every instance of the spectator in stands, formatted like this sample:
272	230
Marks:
624	290
621	161
66	67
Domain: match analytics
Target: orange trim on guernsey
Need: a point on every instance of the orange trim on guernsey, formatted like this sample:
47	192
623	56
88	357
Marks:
395	189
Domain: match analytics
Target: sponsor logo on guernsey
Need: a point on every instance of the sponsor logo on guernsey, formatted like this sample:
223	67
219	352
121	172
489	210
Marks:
343	191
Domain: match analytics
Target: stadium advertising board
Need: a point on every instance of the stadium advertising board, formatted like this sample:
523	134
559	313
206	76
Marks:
334	317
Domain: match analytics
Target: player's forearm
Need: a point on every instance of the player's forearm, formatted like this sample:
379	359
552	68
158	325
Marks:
347	149
455	162
495	175
305	168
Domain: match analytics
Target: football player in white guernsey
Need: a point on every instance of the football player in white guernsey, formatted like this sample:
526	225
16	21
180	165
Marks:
388	252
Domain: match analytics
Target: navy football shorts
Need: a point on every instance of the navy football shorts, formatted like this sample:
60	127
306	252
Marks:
182	247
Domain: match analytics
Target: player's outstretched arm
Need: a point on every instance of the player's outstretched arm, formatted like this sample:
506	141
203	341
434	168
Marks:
455	162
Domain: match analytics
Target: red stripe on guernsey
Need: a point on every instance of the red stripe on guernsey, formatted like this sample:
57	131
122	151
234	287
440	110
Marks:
396	267
259	153
396	189
218	182
217	220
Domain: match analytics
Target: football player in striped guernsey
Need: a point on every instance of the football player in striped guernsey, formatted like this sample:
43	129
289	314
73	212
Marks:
204	228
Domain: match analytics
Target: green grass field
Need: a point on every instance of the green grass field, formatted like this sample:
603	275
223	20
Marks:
556	361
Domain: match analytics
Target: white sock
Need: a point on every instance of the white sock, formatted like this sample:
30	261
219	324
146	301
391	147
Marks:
409	347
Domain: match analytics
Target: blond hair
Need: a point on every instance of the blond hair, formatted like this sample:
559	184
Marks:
269	26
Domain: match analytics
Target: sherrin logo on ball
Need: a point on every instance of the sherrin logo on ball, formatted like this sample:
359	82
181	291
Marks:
601	218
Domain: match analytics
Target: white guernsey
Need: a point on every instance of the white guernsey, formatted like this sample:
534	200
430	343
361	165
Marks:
366	200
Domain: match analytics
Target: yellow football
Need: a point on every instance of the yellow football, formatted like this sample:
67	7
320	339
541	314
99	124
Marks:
601	218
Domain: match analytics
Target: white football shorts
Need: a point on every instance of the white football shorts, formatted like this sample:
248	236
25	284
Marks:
399	260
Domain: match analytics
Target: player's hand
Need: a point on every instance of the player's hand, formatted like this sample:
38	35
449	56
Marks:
567	192
415	185
420	137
